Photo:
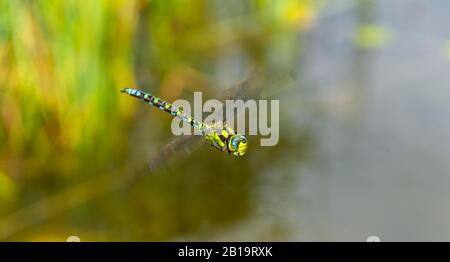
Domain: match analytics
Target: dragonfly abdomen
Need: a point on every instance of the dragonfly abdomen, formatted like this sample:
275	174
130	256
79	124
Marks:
153	100
165	106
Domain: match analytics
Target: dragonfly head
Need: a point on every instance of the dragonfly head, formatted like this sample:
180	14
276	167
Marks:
237	144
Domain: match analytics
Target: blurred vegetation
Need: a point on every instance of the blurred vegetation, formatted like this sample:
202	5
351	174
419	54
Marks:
68	137
372	37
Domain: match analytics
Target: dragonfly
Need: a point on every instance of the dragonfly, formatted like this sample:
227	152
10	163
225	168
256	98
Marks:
219	135
259	84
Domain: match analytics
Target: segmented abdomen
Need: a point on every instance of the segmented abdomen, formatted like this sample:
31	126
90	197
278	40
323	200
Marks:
166	106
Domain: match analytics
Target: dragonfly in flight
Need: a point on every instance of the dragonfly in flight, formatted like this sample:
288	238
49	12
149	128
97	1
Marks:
256	85
220	135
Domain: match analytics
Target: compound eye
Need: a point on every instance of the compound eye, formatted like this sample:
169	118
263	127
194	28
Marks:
235	142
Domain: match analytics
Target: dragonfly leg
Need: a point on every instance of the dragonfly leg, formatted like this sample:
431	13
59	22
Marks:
223	149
